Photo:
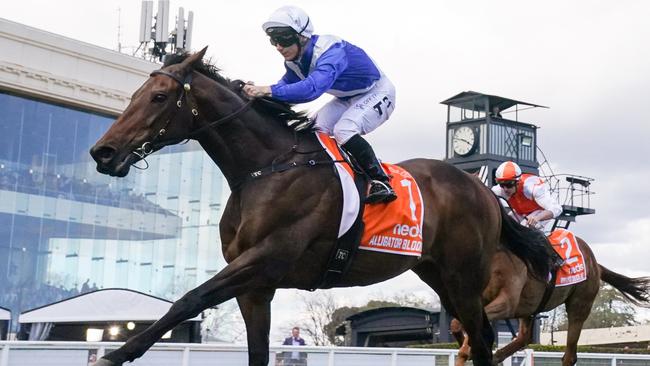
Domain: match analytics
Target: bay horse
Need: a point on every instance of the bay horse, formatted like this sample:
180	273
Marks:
513	293
278	229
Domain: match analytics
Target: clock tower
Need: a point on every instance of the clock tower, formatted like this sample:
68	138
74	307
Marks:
484	130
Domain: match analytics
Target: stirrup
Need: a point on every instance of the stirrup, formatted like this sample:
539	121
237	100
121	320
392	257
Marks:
384	195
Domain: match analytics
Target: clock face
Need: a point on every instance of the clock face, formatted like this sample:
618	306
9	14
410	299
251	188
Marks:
464	141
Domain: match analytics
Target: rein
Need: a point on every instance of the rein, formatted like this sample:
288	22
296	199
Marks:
149	147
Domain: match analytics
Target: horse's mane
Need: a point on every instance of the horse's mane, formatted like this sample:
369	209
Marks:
280	110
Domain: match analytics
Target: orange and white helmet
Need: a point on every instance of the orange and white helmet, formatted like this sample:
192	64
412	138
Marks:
507	171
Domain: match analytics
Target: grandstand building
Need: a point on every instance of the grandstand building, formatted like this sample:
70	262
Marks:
65	228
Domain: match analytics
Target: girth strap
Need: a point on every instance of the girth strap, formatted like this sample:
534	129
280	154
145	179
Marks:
550	286
347	245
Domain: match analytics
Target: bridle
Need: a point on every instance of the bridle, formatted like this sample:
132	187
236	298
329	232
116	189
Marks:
155	144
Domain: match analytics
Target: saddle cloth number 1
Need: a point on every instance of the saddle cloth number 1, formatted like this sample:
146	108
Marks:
395	227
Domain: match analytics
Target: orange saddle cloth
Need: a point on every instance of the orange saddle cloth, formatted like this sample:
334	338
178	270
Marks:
394	227
574	269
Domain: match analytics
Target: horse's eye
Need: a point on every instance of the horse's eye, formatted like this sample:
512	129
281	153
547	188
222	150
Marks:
159	98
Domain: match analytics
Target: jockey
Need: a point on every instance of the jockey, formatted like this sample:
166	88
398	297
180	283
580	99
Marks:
318	64
527	195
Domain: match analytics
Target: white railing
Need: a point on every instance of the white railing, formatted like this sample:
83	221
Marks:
19	353
608	359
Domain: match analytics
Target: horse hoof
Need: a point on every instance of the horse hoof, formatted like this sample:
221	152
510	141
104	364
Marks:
105	362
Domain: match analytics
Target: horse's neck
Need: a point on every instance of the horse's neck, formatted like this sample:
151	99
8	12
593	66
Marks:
248	143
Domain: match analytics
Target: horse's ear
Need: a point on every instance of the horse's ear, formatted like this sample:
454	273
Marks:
194	59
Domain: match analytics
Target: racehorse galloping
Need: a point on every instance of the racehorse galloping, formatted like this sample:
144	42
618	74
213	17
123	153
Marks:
513	293
278	231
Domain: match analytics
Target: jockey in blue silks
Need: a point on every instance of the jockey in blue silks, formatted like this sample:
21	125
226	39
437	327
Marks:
364	97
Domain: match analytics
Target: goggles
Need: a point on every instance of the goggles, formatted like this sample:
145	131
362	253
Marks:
507	184
284	40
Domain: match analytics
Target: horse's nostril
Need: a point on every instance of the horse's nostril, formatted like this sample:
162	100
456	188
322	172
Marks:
103	154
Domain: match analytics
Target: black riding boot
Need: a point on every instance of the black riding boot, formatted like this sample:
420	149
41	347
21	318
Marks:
380	189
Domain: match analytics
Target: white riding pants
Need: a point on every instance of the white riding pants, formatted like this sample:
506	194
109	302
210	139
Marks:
360	114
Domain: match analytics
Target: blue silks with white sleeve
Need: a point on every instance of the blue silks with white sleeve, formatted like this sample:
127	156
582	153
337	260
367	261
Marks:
328	65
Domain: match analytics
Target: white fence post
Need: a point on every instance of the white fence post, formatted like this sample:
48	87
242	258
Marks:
530	360
452	359
393	358
101	351
4	356
186	356
507	361
330	359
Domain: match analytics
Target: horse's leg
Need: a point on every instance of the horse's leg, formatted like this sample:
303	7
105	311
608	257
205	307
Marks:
577	309
463	342
464	288
521	340
254	269
456	330
481	338
256	310
465	303
503	306
504	287
469	309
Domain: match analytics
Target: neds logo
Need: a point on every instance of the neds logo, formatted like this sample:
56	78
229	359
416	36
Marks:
414	231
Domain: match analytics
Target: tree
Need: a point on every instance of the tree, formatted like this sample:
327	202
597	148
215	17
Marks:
414	301
610	309
322	316
223	323
318	309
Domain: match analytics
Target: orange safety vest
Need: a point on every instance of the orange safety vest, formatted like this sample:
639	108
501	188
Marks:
519	202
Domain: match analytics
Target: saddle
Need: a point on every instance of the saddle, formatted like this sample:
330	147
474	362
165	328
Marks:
394	227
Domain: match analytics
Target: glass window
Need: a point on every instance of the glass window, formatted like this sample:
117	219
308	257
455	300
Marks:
69	229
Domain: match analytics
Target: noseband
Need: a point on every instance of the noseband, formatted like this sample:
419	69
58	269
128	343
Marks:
149	147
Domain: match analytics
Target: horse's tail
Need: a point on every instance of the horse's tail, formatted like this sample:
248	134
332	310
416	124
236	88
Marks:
637	290
530	245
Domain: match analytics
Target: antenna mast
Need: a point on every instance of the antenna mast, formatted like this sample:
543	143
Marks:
119	28
163	41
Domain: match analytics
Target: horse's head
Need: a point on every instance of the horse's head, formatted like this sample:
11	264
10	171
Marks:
161	113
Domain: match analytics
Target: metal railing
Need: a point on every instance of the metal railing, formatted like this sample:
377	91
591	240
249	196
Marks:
20	353
571	189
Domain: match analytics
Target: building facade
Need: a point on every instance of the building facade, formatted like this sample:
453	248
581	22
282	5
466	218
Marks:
65	228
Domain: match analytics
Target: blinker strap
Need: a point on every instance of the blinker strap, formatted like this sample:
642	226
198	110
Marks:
184	83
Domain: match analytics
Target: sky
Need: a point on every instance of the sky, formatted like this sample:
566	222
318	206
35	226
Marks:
588	60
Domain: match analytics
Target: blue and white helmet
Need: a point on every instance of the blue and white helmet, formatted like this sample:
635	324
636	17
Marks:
290	16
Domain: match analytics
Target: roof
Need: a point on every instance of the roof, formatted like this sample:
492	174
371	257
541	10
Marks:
5	314
614	335
388	310
475	101
101	305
